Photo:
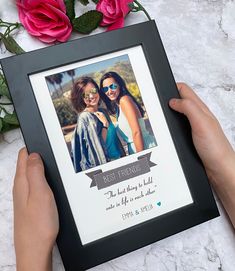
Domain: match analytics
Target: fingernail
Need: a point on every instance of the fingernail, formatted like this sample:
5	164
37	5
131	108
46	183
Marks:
34	156
173	101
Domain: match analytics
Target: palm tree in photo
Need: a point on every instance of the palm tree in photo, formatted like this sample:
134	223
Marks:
58	80
51	80
71	73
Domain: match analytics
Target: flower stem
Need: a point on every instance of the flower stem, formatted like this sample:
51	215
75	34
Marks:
10	24
140	7
10	27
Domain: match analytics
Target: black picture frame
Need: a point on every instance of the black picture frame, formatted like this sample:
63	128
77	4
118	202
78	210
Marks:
17	69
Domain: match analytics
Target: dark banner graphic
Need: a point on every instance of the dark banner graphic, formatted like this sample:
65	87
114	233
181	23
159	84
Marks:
120	174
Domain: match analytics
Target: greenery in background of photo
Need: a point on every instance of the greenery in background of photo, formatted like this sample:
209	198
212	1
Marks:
61	94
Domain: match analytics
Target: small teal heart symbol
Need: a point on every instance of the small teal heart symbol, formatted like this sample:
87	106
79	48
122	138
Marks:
159	203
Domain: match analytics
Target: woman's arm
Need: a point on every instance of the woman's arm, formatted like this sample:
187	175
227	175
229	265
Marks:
130	111
211	144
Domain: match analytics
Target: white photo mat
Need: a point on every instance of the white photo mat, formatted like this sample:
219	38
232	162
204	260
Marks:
166	181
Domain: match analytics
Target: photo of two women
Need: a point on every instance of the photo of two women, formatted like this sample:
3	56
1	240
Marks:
101	112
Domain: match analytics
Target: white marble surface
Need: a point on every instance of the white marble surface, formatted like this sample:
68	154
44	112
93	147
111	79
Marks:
199	38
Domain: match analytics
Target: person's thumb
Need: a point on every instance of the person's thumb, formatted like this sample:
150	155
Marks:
190	109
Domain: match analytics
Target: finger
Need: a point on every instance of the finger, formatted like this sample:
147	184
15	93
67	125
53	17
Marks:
21	162
21	185
38	185
187	93
192	110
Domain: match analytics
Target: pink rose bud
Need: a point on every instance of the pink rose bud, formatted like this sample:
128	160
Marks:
46	20
114	12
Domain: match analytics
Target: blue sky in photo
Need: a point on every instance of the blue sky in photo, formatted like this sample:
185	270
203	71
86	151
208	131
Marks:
94	67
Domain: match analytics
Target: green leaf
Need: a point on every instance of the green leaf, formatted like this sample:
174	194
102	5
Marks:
7	127
11	119
87	22
11	45
3	87
70	10
95	1
84	2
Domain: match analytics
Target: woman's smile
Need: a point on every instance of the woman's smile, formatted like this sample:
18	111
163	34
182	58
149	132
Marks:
111	93
93	100
91	95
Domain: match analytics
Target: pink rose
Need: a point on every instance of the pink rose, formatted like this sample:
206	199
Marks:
45	19
114	12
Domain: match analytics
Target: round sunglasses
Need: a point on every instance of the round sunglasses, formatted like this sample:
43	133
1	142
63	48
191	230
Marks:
86	95
113	87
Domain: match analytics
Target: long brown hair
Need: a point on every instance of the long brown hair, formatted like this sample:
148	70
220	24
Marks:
112	106
76	97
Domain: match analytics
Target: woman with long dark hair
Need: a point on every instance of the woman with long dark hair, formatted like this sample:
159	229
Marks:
128	113
95	140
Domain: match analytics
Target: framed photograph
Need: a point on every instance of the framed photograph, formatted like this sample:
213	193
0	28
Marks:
120	162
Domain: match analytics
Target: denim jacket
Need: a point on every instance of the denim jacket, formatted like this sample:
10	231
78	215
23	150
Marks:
88	148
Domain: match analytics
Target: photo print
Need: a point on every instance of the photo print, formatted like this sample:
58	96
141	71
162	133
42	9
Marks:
101	112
